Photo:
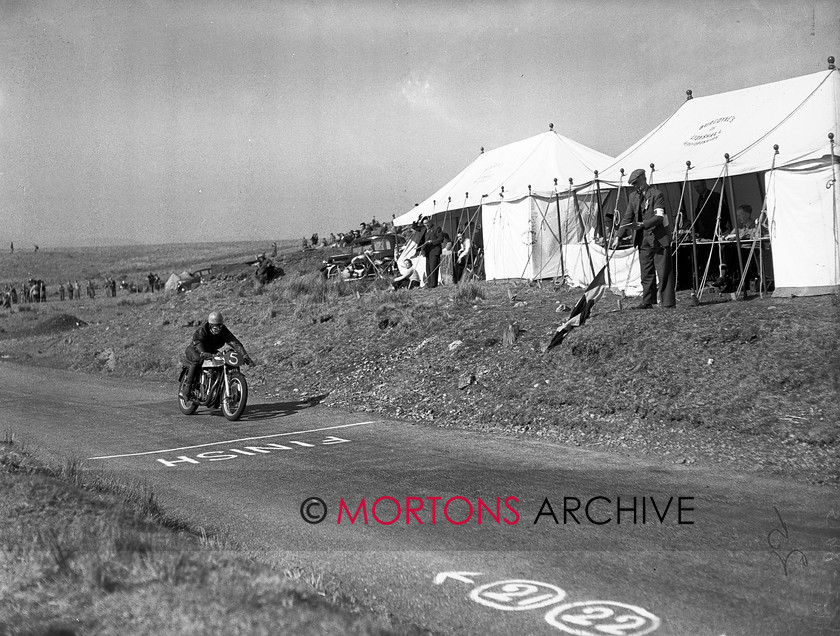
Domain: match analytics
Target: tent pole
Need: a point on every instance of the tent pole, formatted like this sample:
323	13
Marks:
757	238
560	233
476	256
617	217
717	237
693	235
763	193
616	213
471	225
733	218
448	216
582	229
834	198
675	231
762	286
603	220
461	224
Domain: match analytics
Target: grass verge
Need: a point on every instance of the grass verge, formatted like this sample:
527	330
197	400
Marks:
85	553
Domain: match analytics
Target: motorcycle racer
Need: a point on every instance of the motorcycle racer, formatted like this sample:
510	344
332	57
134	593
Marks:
207	340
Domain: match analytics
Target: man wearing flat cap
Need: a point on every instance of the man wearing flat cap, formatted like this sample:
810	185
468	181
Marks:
647	216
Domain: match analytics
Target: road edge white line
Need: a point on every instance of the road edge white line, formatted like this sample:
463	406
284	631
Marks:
230	441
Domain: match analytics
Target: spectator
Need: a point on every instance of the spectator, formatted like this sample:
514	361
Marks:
724	283
646	217
705	212
746	224
431	247
410	278
463	253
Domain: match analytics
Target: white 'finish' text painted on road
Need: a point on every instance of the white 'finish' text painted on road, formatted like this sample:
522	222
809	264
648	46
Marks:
248	451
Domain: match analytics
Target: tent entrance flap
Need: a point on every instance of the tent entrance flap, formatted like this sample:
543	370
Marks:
507	239
806	245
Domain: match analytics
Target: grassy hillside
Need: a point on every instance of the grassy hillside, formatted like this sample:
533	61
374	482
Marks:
84	553
752	384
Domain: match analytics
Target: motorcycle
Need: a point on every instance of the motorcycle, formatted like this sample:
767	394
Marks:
220	384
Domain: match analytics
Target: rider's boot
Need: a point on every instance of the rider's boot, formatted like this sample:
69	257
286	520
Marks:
187	386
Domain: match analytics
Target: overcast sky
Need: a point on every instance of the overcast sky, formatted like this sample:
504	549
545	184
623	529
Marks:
162	121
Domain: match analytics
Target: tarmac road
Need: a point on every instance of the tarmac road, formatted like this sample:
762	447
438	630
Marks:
562	546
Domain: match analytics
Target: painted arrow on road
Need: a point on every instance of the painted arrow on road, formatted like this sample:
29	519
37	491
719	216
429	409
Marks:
457	576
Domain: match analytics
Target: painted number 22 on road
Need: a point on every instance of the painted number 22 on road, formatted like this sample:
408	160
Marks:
595	618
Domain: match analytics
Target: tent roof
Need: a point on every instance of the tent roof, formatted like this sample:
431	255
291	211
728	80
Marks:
536	161
796	114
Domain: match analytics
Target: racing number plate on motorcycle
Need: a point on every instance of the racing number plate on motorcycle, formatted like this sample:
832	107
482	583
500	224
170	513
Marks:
232	358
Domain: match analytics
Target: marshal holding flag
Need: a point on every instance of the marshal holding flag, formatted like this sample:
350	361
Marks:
581	310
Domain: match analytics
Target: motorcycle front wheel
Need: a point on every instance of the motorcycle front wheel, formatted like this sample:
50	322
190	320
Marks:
233	404
187	407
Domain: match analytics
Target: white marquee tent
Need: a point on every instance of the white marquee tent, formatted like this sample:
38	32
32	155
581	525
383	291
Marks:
800	182
519	196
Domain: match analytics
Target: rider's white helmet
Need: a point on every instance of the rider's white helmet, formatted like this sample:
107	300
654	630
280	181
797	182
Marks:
216	318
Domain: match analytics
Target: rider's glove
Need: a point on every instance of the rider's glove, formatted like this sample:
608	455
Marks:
207	356
247	359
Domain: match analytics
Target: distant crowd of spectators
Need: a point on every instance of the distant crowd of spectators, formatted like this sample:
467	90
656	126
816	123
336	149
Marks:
345	239
34	290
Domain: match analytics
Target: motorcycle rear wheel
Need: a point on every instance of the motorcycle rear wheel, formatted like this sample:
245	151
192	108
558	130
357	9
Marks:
233	404
187	407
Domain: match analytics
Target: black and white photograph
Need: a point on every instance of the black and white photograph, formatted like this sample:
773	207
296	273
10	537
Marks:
420	318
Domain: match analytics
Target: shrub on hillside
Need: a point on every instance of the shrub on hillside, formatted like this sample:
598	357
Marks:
392	314
468	293
312	289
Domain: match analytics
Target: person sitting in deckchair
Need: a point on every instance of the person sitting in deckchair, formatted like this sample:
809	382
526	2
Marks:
410	279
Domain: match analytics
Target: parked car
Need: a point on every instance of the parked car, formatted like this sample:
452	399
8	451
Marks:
380	259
